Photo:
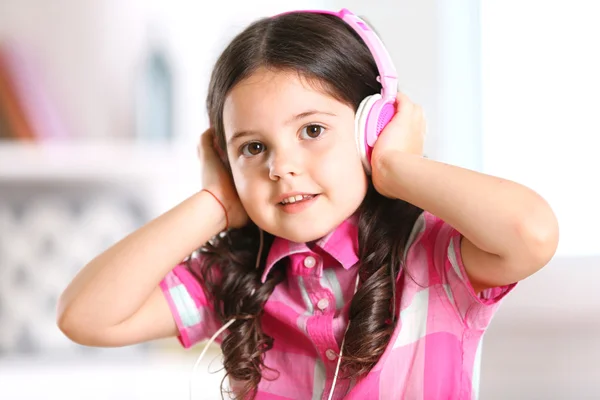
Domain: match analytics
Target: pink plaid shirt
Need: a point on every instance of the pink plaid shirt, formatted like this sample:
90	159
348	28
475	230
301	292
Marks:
433	353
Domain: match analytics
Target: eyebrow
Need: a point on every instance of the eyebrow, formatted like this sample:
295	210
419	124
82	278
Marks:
302	115
308	114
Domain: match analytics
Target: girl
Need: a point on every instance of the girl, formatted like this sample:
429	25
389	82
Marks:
332	278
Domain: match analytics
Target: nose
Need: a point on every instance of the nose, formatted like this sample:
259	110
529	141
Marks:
285	163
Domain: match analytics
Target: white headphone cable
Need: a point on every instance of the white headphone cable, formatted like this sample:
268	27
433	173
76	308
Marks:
204	352
217	333
339	361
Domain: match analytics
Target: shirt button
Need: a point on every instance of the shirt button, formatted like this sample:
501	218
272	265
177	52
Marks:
323	304
310	262
331	355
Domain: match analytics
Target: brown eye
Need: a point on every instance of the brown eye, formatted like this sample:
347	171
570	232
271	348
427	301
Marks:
313	131
253	149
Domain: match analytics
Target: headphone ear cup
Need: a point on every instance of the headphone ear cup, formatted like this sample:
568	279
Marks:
361	129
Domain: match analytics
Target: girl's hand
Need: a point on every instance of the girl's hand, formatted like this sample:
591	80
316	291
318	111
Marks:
404	135
216	179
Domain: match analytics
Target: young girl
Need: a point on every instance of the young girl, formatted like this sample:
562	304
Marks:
335	270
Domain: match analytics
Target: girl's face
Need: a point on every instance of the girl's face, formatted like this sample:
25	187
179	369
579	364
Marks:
286	139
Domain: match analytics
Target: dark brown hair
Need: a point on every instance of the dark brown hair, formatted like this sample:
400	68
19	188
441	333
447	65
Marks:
328	53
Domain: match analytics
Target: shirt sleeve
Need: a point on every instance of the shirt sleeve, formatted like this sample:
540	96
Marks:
193	313
442	243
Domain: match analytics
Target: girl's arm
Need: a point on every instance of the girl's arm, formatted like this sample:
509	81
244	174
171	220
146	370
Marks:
115	299
509	231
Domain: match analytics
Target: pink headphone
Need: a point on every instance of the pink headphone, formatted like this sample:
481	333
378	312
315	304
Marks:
375	111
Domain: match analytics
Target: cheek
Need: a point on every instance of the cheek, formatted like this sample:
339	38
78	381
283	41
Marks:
245	185
240	181
251	197
342	167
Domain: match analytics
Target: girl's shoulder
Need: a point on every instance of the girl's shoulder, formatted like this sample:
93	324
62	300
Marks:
427	230
434	267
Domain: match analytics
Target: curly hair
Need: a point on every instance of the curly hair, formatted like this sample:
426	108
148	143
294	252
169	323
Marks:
330	55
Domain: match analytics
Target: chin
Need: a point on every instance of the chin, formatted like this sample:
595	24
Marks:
306	226
308	233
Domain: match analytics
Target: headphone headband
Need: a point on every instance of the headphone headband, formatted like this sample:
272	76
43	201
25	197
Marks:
387	72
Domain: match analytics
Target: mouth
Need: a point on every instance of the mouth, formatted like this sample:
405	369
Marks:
299	198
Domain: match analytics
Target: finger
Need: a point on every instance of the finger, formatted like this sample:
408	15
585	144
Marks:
402	98
205	147
405	107
404	111
419	113
207	138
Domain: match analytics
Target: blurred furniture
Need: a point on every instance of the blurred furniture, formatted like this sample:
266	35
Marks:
63	203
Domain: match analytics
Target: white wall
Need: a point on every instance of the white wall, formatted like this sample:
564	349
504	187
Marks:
434	45
541	102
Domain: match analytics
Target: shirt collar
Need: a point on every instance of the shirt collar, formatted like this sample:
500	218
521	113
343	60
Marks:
341	244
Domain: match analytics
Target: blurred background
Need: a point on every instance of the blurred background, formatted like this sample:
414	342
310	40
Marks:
101	107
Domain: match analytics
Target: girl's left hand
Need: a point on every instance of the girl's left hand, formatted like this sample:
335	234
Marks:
403	135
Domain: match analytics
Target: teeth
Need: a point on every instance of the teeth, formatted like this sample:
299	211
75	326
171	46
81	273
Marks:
298	197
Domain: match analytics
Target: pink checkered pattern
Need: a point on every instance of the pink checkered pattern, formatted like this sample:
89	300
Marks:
433	354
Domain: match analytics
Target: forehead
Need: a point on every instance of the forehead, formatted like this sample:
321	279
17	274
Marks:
273	96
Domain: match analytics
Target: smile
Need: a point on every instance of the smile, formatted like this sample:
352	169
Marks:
297	198
298	203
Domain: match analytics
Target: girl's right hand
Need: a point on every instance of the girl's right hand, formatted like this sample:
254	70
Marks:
216	179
